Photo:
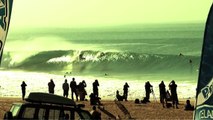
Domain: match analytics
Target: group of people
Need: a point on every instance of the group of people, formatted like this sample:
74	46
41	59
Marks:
165	95
79	91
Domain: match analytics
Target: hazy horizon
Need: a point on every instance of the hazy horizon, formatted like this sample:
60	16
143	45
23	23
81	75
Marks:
94	13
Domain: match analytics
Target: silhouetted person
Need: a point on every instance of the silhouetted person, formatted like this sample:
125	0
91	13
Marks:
119	97
82	90
51	86
162	89
188	106
168	96
126	86
95	114
73	87
95	88
173	89
190	61
81	57
94	100
65	88
148	90
23	89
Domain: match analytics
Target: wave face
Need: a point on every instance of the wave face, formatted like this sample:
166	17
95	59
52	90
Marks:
139	49
109	62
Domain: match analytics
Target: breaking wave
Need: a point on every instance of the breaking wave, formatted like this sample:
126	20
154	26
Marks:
109	62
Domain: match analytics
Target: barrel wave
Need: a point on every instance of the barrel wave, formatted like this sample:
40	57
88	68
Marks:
109	62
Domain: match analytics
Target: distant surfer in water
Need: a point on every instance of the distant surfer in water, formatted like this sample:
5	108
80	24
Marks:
180	54
190	61
81	57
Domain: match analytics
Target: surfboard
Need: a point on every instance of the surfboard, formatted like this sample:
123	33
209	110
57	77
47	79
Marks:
204	98
110	115
123	109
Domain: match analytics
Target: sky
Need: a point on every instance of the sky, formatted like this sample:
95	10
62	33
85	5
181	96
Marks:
92	13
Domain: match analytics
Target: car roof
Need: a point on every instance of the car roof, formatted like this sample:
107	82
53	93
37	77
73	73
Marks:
38	97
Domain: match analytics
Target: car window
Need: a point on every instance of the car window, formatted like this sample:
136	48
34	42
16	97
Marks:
54	114
77	116
28	112
15	109
67	115
85	115
41	114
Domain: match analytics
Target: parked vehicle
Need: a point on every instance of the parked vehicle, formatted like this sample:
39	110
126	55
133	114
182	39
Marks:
44	106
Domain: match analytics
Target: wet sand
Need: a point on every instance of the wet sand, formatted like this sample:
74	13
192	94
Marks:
153	110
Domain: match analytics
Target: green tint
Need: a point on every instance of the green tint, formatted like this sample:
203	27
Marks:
84	13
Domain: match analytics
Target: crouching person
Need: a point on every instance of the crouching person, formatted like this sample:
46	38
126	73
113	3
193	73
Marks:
188	106
119	97
94	100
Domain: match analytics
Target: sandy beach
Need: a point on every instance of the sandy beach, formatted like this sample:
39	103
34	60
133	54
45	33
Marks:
153	110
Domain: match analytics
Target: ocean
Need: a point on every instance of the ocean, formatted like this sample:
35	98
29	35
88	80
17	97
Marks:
112	54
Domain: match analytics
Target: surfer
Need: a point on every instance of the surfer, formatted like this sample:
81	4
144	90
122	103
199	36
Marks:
51	86
173	89
65	88
23	89
73	87
180	54
190	61
125	88
81	57
148	90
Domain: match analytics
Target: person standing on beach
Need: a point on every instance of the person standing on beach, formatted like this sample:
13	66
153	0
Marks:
23	89
148	87
95	88
82	90
73	87
162	89
173	89
65	88
51	86
126	86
